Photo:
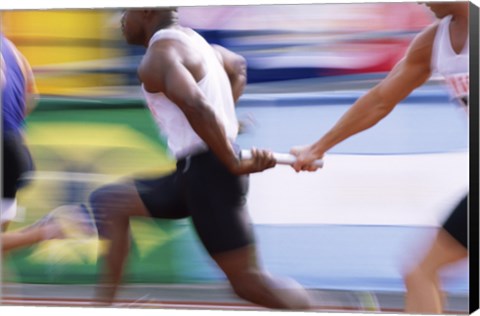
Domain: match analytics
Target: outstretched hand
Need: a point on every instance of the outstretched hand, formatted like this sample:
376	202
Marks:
305	158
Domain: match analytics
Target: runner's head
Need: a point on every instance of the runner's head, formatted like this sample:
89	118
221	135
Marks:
443	9
139	25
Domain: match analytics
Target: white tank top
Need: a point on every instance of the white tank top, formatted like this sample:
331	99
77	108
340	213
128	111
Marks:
452	66
172	123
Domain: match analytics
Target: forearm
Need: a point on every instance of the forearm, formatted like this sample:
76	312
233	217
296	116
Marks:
238	86
365	113
236	68
206	124
22	238
409	73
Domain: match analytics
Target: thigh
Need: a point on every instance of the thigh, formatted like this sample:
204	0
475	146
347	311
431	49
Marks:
217	201
444	250
162	197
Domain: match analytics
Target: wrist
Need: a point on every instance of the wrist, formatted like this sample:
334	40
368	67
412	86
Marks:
234	164
318	150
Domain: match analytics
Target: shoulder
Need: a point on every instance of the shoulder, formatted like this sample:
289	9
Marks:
166	46
22	62
159	55
420	50
227	57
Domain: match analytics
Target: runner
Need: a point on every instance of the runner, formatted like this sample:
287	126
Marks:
191	89
442	47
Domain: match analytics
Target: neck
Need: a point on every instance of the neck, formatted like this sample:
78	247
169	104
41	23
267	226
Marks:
170	22
461	15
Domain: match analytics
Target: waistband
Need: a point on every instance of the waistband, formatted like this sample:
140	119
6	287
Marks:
192	150
184	162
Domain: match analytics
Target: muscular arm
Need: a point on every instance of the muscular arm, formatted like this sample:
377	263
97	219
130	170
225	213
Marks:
164	69
411	72
236	68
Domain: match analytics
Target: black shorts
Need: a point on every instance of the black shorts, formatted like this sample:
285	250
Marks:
456	224
16	161
203	188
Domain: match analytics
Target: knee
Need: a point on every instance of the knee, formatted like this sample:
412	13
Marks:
292	295
110	196
243	284
410	278
107	204
102	195
276	293
418	275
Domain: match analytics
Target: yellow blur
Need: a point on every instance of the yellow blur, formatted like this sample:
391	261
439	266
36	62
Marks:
61	44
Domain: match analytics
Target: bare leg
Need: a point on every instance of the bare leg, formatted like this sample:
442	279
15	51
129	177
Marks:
252	284
119	235
116	203
424	294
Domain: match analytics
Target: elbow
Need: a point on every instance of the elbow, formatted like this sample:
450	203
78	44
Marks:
238	84
238	80
241	63
241	69
383	109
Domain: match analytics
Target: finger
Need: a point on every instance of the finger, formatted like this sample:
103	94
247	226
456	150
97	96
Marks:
272	161
262	154
253	152
265	154
297	166
266	159
270	158
311	168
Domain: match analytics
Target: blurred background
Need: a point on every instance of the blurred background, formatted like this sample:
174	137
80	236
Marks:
351	228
